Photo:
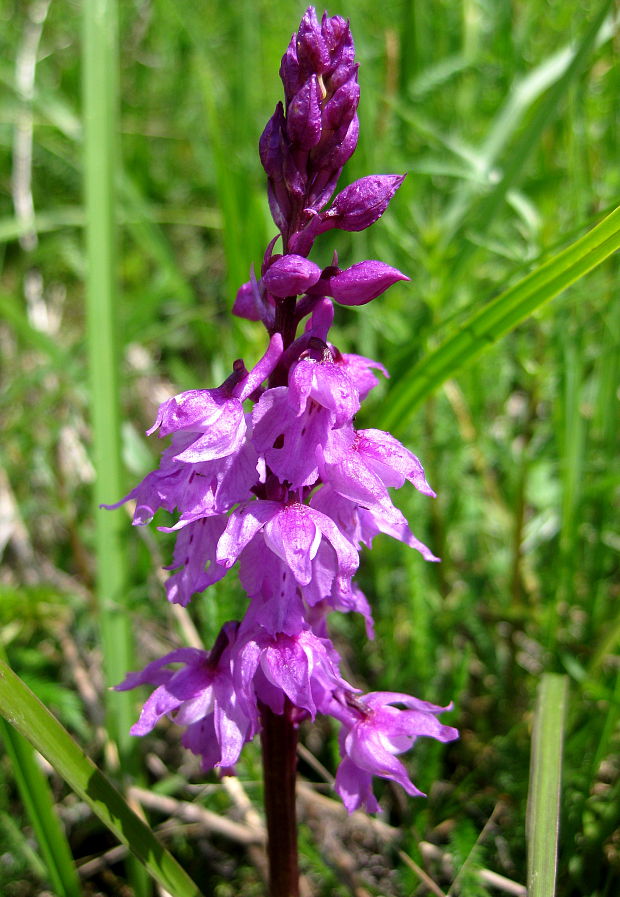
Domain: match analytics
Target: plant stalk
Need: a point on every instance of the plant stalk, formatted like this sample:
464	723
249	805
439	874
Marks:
279	733
279	743
101	160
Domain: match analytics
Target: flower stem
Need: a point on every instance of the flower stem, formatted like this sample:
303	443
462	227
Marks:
286	322
279	742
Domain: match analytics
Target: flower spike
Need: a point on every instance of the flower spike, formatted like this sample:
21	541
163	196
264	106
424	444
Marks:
269	473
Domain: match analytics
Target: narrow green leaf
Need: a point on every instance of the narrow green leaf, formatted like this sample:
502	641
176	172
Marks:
101	184
23	710
38	802
101	154
542	826
544	114
485	327
13	228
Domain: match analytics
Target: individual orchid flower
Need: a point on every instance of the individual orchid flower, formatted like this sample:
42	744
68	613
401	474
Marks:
374	732
199	696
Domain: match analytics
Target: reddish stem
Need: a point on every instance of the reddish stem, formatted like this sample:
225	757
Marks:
279	742
286	321
279	733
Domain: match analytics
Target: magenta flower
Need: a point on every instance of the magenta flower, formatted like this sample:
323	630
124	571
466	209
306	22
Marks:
327	384
281	436
293	532
200	696
270	471
194	560
300	668
372	737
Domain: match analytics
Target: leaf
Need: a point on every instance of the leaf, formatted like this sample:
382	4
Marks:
101	167
485	327
23	710
557	74
38	801
542	824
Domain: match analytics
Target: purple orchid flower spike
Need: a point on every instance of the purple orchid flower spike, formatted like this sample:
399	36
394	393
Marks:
269	473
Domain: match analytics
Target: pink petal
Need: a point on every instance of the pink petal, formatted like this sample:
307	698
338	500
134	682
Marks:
294	537
242	526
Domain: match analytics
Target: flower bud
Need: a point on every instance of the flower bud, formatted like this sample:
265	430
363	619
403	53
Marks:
279	203
312	51
246	304
329	158
294	179
337	36
290	275
303	118
363	282
290	73
341	107
362	203
270	144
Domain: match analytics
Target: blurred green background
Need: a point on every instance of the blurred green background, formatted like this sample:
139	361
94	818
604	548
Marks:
505	117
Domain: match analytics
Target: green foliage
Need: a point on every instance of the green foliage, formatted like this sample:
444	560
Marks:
543	817
468	857
504	116
33	721
38	800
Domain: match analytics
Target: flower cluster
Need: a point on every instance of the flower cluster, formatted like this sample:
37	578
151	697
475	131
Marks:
269	470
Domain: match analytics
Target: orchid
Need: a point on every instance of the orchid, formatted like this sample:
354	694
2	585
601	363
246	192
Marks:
373	733
288	489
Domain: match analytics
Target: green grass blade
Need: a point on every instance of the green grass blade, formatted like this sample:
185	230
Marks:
100	174
38	802
13	228
545	113
485	327
544	788
23	710
554	75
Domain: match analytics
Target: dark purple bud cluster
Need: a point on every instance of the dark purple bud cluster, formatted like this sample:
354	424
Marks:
308	140
303	149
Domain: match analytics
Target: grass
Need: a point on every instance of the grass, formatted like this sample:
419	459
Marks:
545	785
505	118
